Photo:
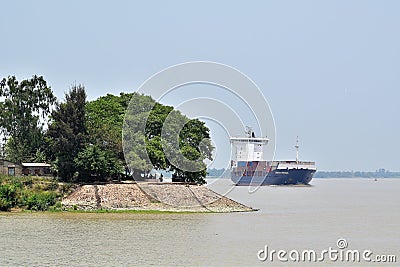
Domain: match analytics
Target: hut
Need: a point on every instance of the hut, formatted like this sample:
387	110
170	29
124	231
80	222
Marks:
26	168
10	168
37	169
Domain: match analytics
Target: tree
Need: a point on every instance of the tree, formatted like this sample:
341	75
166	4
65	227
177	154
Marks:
163	138
67	132
98	163
143	123
104	119
23	110
186	144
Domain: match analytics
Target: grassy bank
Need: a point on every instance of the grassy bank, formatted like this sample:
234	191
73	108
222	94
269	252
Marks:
31	193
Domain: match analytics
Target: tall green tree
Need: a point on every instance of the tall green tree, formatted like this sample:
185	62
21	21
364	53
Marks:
136	153
104	119
170	141
143	127
67	133
24	107
186	144
97	164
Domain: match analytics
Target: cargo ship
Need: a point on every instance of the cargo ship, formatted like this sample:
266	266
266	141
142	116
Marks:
249	168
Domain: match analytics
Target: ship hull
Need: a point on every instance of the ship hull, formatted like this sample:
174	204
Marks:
277	177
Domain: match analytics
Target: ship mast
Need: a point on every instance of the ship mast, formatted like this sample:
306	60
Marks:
249	131
297	149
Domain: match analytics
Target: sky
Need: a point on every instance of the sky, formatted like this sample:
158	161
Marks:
328	69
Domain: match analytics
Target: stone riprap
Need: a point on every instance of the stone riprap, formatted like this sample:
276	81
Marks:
151	196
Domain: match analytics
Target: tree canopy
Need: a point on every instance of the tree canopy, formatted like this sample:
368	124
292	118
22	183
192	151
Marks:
67	133
24	107
142	122
87	141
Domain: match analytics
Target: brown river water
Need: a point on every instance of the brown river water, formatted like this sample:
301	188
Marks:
363	213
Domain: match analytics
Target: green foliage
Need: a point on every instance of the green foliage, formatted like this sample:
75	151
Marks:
41	201
156	120
169	140
5	205
84	140
156	154
7	197
96	162
104	119
67	132
143	128
40	156
32	193
22	107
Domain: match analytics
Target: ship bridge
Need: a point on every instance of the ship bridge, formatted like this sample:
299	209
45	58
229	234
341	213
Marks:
248	148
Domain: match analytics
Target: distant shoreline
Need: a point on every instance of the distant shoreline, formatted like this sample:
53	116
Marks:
382	173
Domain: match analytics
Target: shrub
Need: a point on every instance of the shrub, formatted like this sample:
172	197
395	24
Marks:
51	186
30	193
41	201
5	205
8	194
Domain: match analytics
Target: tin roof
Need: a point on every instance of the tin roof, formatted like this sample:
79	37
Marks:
32	164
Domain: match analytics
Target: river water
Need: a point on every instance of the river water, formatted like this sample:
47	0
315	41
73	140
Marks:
364	212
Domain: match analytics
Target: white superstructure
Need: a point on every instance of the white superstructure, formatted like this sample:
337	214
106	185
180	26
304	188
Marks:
248	148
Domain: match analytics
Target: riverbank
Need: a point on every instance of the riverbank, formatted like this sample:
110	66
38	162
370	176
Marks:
163	197
30	193
19	193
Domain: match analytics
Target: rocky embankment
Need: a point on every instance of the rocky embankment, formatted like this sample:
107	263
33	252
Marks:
151	196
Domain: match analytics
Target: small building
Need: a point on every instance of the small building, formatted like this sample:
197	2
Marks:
36	169
26	168
10	168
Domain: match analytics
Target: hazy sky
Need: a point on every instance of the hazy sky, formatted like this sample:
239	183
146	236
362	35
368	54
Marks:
330	70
